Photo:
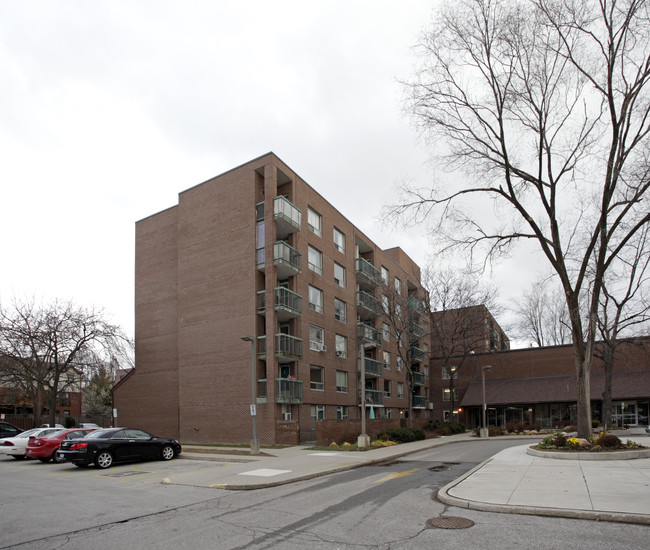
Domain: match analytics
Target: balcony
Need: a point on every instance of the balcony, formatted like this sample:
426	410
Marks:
368	276
373	369
416	306
288	390
287	217
368	307
418	378
261	390
287	259
286	303
287	348
368	335
417	355
374	397
416	332
419	401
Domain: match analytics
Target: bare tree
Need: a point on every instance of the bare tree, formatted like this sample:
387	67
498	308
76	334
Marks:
624	309
543	317
45	347
405	312
544	105
461	320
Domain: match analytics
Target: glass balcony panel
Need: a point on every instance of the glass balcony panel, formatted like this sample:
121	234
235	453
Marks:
368	334
368	307
287	217
260	258
287	259
287	348
261	347
373	368
261	390
368	276
261	302
418	378
419	401
288	390
417	355
259	211
374	397
287	303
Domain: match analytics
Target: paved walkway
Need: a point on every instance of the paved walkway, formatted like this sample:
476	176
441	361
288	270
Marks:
511	481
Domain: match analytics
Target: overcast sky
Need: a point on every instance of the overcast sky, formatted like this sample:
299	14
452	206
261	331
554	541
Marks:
108	109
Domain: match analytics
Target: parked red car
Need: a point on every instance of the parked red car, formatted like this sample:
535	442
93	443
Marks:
45	448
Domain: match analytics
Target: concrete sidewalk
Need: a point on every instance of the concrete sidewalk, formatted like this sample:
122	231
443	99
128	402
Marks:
511	481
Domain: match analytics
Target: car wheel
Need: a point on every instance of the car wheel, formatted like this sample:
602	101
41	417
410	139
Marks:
104	460
56	459
43	459
167	452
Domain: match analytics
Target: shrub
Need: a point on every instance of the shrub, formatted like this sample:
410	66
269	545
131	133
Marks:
402	435
608	441
595	423
534	427
447	427
349	438
496	430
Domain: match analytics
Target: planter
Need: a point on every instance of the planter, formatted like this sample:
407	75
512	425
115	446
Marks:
630	454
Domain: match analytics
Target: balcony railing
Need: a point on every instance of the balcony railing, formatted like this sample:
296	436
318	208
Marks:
416	331
287	303
287	259
287	217
374	397
373	368
368	276
288	348
416	306
261	390
419	401
417	355
368	307
418	378
368	334
288	390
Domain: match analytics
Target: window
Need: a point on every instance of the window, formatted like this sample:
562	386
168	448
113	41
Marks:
384	304
400	390
341	346
385	329
340	310
398	311
315	299
398	286
316	378
388	413
446	371
384	275
387	386
259	244
400	364
341	381
426	371
386	360
339	275
315	260
342	412
316	338
315	222
339	241
318	412
286	412
446	394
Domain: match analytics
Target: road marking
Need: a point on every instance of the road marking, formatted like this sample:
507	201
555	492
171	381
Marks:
397	475
127	474
264	472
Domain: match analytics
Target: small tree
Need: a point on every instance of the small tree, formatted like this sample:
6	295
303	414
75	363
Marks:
44	346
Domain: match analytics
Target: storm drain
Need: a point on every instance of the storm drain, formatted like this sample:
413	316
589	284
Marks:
449	522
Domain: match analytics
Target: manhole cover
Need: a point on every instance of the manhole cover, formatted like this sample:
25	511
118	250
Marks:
449	522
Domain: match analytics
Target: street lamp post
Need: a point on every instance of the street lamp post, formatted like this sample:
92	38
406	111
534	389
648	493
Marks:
254	445
484	430
363	440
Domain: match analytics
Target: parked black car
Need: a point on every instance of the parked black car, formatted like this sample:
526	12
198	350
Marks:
104	447
8	430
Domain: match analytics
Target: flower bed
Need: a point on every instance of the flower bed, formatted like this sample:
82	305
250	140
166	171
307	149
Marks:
602	446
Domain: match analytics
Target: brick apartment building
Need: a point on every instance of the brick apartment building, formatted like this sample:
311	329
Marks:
257	252
539	385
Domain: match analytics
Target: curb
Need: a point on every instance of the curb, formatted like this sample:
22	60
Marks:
618	517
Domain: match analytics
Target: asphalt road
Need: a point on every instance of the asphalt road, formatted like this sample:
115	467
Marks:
387	506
